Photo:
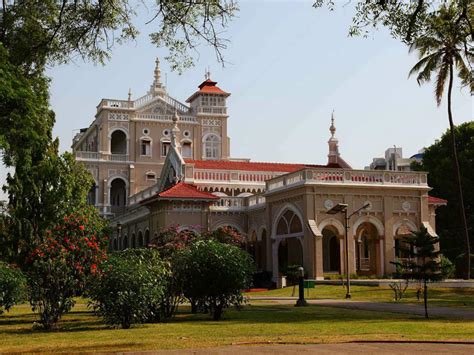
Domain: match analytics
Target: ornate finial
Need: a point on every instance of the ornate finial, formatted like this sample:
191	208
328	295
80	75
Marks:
175	131
207	74
157	87
129	94
332	129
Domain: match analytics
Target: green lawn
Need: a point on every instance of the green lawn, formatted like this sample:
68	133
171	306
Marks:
82	331
449	297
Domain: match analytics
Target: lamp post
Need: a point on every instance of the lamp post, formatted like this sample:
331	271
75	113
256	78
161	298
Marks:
342	207
301	301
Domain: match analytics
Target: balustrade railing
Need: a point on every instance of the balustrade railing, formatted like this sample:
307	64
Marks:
252	177
82	155
165	118
122	104
349	177
140	196
230	202
212	110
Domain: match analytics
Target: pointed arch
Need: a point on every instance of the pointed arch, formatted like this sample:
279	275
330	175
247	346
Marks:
333	222
368	219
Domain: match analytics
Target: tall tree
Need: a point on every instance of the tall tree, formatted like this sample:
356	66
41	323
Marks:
438	162
442	49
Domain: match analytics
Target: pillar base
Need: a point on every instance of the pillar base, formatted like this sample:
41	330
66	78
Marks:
301	303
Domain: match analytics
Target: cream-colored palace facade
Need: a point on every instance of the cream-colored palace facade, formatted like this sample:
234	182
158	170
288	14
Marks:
158	162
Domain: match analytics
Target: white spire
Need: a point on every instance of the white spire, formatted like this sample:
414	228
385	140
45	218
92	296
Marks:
175	131
333	143
157	88
332	129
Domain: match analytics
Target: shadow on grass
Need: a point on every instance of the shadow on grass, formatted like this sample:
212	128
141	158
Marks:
271	314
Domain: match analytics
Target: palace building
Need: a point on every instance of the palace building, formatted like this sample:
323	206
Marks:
158	162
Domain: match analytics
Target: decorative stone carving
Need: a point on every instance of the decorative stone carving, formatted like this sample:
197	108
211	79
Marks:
211	122
115	116
406	206
328	204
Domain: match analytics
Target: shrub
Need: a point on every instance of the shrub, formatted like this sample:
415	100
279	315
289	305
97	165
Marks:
214	275
226	235
61	266
169	240
130	288
447	268
12	286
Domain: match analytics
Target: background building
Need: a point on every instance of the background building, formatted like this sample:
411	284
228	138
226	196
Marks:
157	162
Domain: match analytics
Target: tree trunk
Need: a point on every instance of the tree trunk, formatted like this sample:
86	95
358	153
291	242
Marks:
467	249
425	298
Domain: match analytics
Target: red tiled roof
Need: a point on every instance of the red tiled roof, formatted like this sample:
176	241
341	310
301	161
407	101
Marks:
181	190
436	200
208	87
249	166
186	191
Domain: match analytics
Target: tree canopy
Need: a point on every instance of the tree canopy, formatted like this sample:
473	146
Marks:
437	161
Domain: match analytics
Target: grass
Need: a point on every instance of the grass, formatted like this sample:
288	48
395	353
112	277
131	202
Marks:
446	297
81	331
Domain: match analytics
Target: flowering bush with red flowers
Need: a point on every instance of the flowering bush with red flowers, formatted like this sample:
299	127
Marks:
171	239
226	235
62	265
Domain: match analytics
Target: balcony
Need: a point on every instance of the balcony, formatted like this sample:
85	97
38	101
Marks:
349	178
211	110
257	178
89	156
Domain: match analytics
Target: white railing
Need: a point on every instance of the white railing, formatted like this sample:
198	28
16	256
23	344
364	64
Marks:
348	177
252	177
176	104
230	203
81	155
255	200
212	110
165	118
140	196
116	157
87	155
142	101
115	104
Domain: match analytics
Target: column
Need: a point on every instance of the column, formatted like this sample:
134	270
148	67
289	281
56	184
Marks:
318	256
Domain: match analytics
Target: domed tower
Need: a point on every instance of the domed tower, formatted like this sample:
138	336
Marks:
210	107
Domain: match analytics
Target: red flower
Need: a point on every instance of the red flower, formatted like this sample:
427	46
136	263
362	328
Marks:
81	228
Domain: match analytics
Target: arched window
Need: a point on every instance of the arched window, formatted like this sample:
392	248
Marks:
118	142
212	147
140	239
147	238
289	223
118	195
125	242
133	243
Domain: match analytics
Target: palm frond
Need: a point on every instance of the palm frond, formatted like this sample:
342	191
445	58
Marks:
430	66
464	73
423	62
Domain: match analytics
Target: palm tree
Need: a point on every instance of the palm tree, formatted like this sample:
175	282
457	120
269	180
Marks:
446	46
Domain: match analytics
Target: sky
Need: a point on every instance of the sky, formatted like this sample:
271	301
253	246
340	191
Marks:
288	67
